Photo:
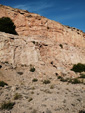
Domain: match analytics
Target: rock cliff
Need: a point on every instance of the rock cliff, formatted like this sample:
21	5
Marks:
23	51
35	66
40	40
30	24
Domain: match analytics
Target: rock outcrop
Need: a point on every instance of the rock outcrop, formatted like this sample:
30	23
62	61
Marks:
22	50
40	40
30	24
35	66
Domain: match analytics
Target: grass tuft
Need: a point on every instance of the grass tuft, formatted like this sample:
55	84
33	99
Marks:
2	83
7	105
35	80
46	82
17	96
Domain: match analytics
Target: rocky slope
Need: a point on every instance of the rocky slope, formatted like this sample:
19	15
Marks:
18	54
43	51
30	24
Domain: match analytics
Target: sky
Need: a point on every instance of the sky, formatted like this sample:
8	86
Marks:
67	12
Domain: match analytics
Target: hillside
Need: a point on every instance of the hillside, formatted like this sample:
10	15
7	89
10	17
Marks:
30	24
36	65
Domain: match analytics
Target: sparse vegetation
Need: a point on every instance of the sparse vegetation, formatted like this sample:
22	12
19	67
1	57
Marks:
32	68
63	80
82	76
82	111
46	82
30	99
59	77
35	80
47	91
36	43
32	92
70	80
52	87
78	67
33	88
68	26
6	25
2	83
61	46
20	73
7	105
17	96
76	81
33	42
0	66
56	74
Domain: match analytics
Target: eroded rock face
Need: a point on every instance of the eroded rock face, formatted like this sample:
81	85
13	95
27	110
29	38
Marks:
23	51
16	51
40	40
51	49
34	25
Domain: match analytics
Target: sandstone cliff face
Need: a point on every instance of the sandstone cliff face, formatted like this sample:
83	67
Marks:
34	25
51	49
41	41
23	51
15	50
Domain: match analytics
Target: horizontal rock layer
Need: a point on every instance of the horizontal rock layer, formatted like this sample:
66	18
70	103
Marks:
23	51
34	25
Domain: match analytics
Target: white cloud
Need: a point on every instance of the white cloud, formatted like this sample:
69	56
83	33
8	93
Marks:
21	7
34	7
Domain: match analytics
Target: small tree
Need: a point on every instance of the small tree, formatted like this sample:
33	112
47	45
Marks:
6	25
78	67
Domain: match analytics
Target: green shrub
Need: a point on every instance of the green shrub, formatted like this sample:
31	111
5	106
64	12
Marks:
76	81
82	76
52	87
70	80
6	25
78	67
32	92
32	69
35	80
17	96
2	83
63	80
7	105
82	111
59	77
20	73
46	81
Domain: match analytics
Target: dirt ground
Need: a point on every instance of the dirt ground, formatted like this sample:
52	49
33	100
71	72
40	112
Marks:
37	96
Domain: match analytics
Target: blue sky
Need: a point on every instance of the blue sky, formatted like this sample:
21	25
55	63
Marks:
67	12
